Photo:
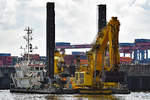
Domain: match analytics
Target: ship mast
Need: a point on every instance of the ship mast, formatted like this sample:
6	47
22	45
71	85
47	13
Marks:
28	39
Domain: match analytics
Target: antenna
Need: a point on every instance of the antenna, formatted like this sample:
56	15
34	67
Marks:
28	37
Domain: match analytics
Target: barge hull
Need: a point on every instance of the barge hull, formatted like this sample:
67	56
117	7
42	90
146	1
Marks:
72	91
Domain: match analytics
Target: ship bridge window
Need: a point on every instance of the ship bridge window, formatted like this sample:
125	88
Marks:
41	68
37	68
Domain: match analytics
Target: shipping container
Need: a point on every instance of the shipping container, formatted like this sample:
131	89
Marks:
7	60
78	53
83	63
125	59
69	59
81	60
1	63
126	44
5	54
83	57
2	58
62	44
142	40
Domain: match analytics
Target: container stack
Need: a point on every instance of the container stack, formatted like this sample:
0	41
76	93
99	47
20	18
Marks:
78	53
72	59
1	63
125	59
83	60
5	59
69	59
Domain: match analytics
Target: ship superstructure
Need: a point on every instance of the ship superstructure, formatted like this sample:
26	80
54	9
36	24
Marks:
29	73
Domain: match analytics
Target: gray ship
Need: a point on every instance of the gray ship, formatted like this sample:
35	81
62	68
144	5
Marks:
28	73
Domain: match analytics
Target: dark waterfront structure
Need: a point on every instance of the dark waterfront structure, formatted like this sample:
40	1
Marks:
50	39
5	73
139	83
138	78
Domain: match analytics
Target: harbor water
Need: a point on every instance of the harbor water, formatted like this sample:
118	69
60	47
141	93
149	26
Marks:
6	95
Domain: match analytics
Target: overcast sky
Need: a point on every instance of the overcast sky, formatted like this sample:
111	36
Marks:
76	21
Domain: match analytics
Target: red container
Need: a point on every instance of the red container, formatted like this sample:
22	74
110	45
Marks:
8	60
68	59
2	59
1	63
125	59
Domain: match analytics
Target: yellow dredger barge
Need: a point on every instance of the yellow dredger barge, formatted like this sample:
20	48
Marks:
101	76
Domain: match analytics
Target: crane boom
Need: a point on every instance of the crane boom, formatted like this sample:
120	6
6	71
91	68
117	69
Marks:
109	34
103	67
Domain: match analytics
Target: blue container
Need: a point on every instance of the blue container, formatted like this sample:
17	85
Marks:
78	53
83	57
126	44
5	54
62	44
142	40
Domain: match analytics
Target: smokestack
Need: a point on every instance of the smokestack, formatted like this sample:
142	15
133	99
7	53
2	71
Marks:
101	17
50	39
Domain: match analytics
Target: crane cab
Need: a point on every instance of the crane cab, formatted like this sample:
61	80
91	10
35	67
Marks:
83	79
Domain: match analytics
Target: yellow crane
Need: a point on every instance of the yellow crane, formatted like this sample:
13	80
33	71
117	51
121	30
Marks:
102	71
60	70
